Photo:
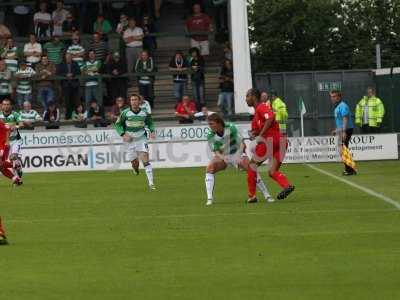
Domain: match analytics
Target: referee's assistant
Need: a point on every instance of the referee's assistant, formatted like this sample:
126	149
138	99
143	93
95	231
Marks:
344	124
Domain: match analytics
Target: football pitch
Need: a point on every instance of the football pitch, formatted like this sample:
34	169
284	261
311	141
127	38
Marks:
104	235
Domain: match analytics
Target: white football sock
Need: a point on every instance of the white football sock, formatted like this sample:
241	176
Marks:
262	187
149	174
209	185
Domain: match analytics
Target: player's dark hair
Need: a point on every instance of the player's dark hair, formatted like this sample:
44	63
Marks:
216	118
336	92
255	92
134	95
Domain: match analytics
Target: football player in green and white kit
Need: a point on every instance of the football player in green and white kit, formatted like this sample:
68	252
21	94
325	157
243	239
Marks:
229	150
132	126
13	119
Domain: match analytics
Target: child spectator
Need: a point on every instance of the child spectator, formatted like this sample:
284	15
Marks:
10	54
79	116
5	81
76	50
96	114
51	117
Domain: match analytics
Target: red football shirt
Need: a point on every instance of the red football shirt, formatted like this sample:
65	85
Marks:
199	23
262	114
4	133
180	109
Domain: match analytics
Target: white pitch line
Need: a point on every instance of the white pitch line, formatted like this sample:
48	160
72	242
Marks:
357	186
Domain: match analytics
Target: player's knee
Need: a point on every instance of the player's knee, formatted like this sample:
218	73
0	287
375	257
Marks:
210	169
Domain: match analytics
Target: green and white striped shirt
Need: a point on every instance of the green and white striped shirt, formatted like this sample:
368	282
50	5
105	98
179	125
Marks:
75	49
229	143
11	60
24	86
5	82
30	115
12	119
134	123
92	68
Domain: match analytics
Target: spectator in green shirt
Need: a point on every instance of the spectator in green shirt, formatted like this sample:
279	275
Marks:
55	50
102	25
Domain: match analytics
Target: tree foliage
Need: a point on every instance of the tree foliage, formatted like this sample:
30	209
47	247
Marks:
293	35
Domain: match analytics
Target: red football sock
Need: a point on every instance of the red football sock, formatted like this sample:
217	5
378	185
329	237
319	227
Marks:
251	182
280	179
2	231
7	172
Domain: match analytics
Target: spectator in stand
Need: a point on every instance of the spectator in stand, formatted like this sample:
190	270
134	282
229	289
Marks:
225	98
99	46
197	66
42	21
5	34
10	54
55	50
24	85
185	110
157	8
149	41
116	86
70	85
51	116
116	109
92	68
70	26
118	9
203	114
79	116
228	51
102	26
29	116
123	24
144	104
96	114
22	19
5	81
76	50
133	37
32	51
145	64
58	18
199	22
44	70
179	66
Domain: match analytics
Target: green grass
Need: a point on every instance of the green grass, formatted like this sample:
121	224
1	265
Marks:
103	235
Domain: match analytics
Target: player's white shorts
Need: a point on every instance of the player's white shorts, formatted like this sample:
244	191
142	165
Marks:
234	160
134	148
15	148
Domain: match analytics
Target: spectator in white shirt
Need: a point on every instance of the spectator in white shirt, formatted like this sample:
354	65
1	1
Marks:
32	51
29	116
58	17
42	21
133	37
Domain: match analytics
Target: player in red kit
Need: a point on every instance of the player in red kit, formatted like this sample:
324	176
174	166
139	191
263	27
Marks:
269	142
5	168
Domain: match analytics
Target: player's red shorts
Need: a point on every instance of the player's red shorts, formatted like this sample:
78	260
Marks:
271	147
4	151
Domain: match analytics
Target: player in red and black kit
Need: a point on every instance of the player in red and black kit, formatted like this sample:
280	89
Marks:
270	143
5	167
